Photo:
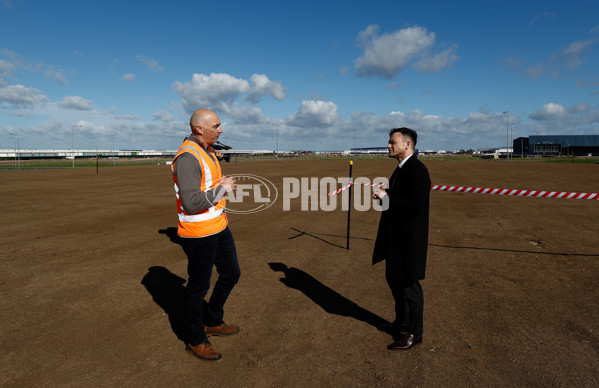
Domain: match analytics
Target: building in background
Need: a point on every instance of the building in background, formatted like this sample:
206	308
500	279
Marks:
577	145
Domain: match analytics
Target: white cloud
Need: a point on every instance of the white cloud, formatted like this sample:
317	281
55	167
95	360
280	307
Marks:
571	56
564	61
12	57
592	83
58	75
438	61
550	111
319	120
129	77
14	62
216	92
8	4
127	117
220	92
480	129
247	115
512	63
75	102
249	128
101	129
544	15
315	114
395	85
535	71
150	63
164	116
6	68
21	96
262	86
113	111
389	54
555	118
581	107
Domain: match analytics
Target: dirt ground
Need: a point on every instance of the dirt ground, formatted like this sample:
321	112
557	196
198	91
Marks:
92	278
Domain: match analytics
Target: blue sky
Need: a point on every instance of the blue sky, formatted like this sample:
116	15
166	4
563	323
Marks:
325	75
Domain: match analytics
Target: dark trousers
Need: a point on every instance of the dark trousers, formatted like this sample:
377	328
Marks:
409	304
202	254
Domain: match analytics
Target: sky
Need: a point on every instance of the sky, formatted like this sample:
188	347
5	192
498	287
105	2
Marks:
314	75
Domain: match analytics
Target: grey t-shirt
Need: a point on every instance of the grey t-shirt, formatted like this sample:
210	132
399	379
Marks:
189	179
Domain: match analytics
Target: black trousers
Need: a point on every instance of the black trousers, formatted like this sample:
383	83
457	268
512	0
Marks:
409	304
203	254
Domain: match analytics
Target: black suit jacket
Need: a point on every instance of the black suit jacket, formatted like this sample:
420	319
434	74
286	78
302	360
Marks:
402	238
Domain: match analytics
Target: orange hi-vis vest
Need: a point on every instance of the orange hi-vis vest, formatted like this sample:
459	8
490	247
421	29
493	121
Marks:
208	221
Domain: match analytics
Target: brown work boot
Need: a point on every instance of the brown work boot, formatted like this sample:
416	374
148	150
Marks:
221	330
204	352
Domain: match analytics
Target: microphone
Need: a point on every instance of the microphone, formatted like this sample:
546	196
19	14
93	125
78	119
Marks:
217	146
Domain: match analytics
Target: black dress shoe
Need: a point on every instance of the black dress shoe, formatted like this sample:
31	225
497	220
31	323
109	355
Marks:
406	341
392	328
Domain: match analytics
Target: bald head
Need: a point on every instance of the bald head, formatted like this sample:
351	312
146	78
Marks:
198	117
205	126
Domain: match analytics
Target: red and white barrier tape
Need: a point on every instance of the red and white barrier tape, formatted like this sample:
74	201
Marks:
341	189
478	190
351	183
519	193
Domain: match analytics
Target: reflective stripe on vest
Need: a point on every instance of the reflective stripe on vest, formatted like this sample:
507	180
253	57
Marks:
200	217
207	221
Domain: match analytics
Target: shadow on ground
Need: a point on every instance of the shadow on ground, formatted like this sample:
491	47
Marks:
539	252
168	291
316	236
331	301
171	233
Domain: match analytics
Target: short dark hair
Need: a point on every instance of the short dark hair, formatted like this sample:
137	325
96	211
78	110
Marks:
406	132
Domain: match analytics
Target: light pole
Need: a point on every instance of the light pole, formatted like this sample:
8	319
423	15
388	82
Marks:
277	129
73	141
512	140
507	135
16	135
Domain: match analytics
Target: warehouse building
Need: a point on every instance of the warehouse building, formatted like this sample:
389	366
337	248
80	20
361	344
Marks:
577	145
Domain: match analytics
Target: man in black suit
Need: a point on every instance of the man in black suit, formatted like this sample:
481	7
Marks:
402	238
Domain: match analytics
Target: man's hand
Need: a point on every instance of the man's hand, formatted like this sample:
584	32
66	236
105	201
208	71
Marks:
378	193
228	183
219	154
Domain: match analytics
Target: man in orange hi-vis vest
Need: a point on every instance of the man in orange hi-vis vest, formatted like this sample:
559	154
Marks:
200	190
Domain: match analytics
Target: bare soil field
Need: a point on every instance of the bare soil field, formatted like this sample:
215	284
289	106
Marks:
92	277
